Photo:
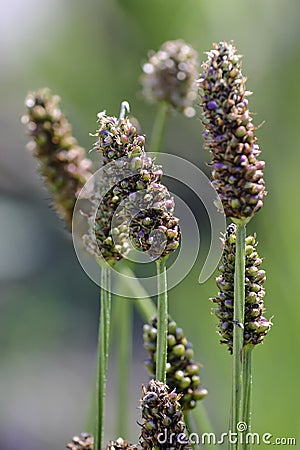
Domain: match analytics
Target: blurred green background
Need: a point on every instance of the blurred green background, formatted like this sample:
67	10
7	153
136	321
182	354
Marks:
91	52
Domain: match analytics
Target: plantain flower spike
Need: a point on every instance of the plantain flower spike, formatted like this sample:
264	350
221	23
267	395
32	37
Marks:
169	76
136	180
230	134
84	441
62	162
121	444
163	425
256	326
183	373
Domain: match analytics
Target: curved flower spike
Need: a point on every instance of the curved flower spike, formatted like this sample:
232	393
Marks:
62	162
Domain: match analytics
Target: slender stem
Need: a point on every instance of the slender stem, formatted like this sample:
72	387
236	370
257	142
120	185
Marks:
238	327
143	303
103	347
124	311
201	419
247	374
201	423
187	421
188	425
159	128
91	414
147	309
162	321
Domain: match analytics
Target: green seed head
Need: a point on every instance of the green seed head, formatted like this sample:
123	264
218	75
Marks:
256	326
183	372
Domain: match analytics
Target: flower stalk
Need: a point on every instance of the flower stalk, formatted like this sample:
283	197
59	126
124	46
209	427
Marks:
159	128
103	350
238	327
247	389
124	311
162	321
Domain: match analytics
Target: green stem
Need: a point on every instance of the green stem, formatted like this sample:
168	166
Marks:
238	328
162	321
103	348
124	311
147	310
188	425
187	421
201	422
247	374
159	128
201	419
143	303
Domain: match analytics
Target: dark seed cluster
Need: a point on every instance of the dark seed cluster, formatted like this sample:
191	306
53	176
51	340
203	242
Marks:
182	371
84	441
62	162
133	204
256	326
230	134
121	444
163	426
169	76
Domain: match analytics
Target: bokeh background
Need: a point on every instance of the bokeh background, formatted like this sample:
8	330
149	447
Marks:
91	52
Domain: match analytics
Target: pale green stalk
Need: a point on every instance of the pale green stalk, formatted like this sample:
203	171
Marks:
238	328
159	128
187	421
103	349
247	375
143	302
147	309
123	309
188	425
201	419
162	321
